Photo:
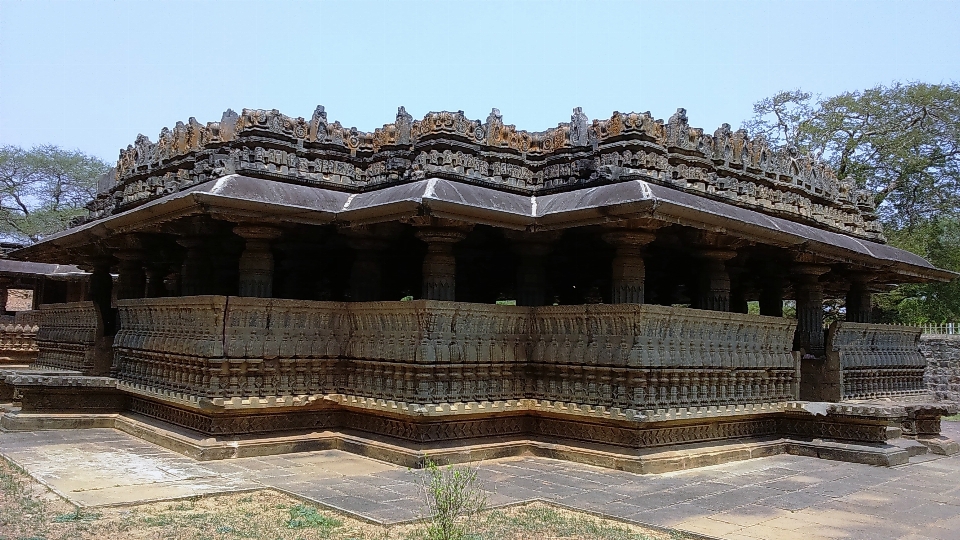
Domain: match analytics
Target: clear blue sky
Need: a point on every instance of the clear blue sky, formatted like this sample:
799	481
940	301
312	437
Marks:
91	75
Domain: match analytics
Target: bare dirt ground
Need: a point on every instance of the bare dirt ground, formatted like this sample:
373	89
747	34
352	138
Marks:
28	510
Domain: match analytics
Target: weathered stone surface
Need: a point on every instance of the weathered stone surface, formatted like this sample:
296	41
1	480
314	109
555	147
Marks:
18	343
942	374
727	166
71	336
867	361
426	352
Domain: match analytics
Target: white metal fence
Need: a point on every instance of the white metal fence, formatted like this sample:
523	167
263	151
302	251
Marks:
950	328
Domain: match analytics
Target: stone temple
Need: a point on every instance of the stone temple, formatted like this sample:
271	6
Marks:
464	289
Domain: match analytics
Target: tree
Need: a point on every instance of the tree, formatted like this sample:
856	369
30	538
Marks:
44	188
903	143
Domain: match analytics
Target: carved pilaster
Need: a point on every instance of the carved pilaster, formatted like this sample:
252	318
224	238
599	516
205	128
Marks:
808	292
439	264
629	272
256	261
859	299
532	249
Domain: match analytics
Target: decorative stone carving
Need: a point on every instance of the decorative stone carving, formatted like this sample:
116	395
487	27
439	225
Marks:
629	271
714	293
727	165
256	261
618	356
439	264
867	361
71	336
809	296
18	343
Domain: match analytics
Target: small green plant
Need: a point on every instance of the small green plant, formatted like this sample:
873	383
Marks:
303	517
76	515
454	497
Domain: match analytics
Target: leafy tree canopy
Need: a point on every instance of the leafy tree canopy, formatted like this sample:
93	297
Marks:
902	142
43	188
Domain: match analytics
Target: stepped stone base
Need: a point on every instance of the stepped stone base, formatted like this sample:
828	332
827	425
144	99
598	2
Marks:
882	434
651	460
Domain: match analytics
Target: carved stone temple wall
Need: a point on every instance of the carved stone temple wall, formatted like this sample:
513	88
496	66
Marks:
71	337
866	361
428	352
18	342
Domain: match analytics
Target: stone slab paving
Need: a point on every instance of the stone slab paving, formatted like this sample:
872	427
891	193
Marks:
101	467
779	497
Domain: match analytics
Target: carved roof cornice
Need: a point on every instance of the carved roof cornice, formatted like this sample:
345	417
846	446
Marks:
727	165
614	204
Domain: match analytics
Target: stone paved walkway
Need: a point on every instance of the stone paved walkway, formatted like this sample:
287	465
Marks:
780	497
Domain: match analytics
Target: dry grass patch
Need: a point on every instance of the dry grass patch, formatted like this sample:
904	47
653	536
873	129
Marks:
28	510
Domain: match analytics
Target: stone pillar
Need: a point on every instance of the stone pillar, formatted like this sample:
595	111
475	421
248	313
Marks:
859	299
101	294
532	249
132	281
101	284
771	297
439	264
738	290
3	298
256	261
192	270
808	292
629	272
714	286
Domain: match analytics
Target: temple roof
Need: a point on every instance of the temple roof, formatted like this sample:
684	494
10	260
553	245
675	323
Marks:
234	196
9	268
726	166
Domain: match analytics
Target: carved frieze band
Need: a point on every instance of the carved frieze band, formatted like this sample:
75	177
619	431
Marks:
727	165
67	334
877	360
628	357
512	425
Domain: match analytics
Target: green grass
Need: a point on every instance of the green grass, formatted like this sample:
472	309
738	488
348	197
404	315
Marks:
954	418
543	521
77	515
304	517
